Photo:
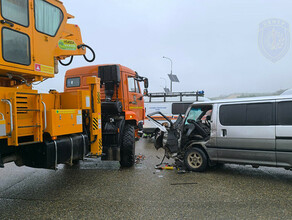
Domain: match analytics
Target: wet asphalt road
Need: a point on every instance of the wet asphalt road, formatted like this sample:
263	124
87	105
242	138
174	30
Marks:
100	190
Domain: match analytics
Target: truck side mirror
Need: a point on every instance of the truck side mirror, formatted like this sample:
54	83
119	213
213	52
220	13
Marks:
145	93
146	84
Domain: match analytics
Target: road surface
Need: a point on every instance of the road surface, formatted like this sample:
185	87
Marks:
101	190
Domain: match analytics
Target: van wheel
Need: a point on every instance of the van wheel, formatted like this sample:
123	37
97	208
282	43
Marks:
128	146
195	160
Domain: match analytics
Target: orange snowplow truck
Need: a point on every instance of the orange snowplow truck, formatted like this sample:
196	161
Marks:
44	130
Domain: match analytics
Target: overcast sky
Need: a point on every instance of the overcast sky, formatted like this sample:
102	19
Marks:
213	44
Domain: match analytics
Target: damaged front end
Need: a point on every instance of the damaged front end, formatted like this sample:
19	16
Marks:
185	139
169	136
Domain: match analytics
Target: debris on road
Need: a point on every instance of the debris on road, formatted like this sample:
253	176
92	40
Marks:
181	171
139	158
166	167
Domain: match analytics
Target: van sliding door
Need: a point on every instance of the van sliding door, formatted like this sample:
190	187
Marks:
246	133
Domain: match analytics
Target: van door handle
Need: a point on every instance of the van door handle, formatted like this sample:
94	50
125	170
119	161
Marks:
224	132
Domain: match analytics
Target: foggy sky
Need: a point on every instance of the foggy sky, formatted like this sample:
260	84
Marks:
213	44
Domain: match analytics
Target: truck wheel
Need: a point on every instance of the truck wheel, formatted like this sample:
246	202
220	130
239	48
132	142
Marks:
195	160
128	146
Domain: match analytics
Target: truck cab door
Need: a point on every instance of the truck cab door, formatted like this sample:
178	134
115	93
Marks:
16	34
48	19
136	101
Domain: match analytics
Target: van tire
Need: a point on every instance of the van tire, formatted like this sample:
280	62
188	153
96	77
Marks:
128	146
195	160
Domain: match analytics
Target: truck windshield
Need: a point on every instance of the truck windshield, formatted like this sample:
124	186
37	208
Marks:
194	114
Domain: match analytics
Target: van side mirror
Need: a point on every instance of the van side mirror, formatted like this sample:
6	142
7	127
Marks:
146	84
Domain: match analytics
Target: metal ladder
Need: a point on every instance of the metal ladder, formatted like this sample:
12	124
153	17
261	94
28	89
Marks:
25	118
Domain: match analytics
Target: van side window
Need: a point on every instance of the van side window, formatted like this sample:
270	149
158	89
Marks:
255	114
284	115
232	115
194	113
260	114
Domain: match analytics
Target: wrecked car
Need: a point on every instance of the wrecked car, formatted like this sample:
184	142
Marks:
251	131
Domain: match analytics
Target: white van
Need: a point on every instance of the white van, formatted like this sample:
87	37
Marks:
255	131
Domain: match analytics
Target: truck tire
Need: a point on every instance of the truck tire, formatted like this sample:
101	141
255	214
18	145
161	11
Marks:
195	160
128	146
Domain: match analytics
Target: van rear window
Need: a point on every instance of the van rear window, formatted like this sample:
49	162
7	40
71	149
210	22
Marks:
73	82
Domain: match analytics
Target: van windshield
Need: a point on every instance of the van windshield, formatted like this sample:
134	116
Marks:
194	114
